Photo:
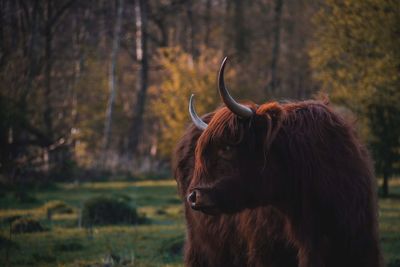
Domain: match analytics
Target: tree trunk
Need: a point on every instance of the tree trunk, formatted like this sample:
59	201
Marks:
51	20
273	83
226	21
32	55
13	9
191	26
385	184
207	23
2	45
48	110
112	79
141	85
52	17
239	28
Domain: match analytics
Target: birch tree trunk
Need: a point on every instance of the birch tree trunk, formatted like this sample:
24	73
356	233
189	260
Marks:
141	85
112	80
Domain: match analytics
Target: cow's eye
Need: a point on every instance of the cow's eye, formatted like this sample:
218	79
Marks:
226	152
227	148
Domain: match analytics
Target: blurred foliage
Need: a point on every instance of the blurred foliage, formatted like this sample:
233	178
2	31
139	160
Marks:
356	57
184	75
55	59
355	52
88	129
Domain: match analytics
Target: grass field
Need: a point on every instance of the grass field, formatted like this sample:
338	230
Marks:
156	243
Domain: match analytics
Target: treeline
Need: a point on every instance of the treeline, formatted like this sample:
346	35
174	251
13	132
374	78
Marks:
104	85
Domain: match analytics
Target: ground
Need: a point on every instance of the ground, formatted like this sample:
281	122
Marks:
157	242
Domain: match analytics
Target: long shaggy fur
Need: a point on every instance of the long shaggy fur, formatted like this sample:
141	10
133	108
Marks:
299	160
249	238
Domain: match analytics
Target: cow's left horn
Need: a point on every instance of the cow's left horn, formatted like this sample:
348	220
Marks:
240	110
198	122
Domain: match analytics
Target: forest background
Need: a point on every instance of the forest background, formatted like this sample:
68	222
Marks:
96	88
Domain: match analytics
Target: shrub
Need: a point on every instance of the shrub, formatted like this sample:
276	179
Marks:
107	210
26	225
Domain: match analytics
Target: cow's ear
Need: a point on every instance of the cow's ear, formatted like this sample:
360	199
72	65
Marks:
323	97
273	109
271	115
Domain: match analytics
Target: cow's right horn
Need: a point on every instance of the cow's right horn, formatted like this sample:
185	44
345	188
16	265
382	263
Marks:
240	110
198	122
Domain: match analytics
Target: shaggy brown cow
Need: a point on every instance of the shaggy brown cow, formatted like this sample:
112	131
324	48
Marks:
249	238
301	158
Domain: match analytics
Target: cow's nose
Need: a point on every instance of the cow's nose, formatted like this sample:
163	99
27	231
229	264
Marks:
191	198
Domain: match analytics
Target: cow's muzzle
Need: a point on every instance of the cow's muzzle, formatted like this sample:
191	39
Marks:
202	200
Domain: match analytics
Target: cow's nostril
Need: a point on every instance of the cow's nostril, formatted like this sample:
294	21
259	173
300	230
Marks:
192	198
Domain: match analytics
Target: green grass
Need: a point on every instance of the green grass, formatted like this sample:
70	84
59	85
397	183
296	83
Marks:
389	224
157	243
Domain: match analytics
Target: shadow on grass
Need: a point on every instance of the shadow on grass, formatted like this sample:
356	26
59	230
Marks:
394	263
172	248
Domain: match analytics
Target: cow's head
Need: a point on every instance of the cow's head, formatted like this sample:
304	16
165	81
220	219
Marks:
232	155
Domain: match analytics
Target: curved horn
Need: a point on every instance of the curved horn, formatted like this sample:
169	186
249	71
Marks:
198	122
240	110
